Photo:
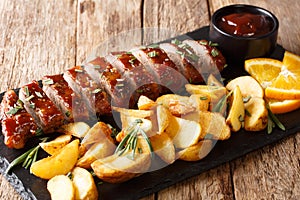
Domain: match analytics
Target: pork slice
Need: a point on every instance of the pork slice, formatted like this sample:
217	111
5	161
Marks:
210	60
92	93
119	88
142	81
163	69
40	107
185	64
17	124
70	103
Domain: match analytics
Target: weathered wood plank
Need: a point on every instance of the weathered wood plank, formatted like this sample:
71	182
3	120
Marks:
273	172
100	20
37	38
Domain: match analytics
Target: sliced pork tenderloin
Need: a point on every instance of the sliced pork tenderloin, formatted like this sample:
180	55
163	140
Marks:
210	59
40	107
184	60
71	104
92	93
118	87
143	82
17	124
163	69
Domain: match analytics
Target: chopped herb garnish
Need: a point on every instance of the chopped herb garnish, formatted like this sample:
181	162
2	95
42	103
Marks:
241	118
275	119
95	91
139	90
179	52
38	94
131	61
26	91
153	46
214	53
194	57
203	98
246	99
29	98
175	41
13	111
152	54
183	46
119	85
32	105
70	175
210	43
48	82
203	42
67	113
78	70
225	65
39	132
129	53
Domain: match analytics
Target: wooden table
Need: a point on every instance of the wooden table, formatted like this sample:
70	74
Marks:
40	37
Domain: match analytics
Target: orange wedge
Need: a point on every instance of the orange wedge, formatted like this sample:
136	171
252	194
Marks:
278	107
264	70
281	80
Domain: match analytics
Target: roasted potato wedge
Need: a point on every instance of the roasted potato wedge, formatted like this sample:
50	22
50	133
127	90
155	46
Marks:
176	104
134	113
117	169
214	93
61	187
256	116
248	86
55	145
236	112
184	133
196	152
199	102
96	151
163	146
163	116
211	123
84	184
60	163
144	103
77	129
97	133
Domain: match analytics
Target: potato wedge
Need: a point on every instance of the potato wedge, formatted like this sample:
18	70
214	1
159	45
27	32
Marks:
77	129
200	102
211	123
163	146
55	145
213	81
97	133
196	152
163	116
61	187
117	169
214	93
144	103
96	151
248	86
84	184
60	163
256	116
236	112
134	113
184	133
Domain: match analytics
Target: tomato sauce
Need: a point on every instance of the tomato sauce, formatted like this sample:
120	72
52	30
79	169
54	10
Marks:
245	24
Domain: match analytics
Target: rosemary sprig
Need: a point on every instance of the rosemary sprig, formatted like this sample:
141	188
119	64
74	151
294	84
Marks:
26	159
273	121
129	142
221	103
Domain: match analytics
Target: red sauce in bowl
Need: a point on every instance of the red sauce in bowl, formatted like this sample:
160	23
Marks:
245	24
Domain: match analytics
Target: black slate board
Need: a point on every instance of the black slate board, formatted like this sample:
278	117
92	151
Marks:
238	145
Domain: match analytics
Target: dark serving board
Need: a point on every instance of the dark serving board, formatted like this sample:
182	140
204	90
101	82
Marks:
241	143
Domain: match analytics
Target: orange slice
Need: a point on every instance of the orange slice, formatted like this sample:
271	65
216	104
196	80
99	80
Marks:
278	107
291	61
264	70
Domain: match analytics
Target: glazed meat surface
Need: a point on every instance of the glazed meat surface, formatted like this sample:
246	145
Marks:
42	109
70	104
17	124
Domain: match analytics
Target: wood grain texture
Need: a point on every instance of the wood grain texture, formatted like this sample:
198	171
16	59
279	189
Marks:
272	172
102	20
37	38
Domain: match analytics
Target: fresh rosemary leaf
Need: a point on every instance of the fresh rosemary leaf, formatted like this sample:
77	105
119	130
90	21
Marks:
203	98
38	94
48	82
13	111
176	41
152	54
153	46
29	98
26	91
214	53
275	119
